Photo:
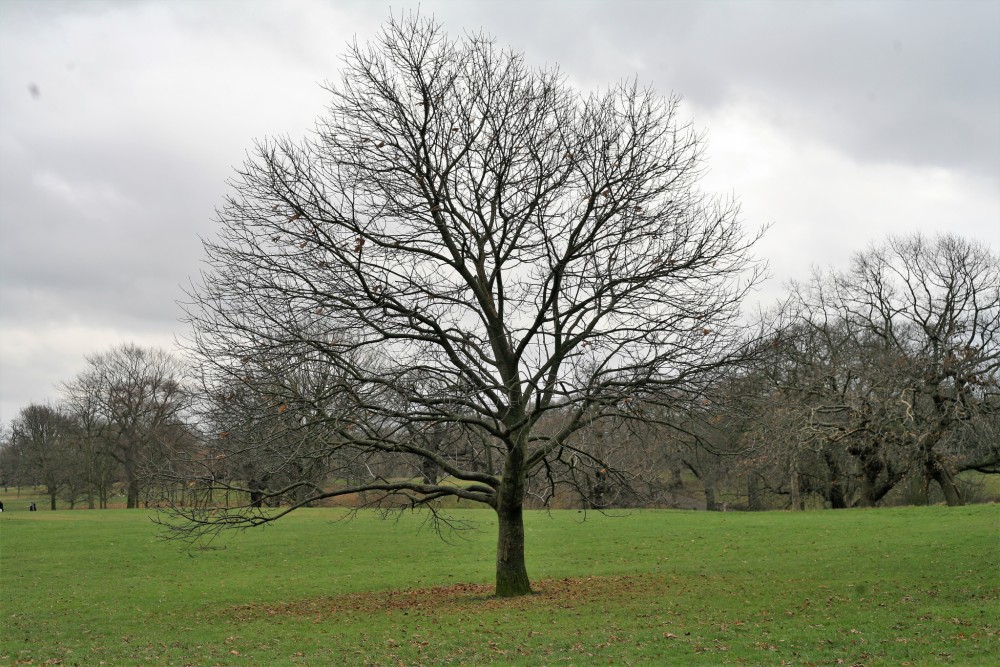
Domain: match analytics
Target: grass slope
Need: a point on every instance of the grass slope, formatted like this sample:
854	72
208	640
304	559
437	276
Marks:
915	586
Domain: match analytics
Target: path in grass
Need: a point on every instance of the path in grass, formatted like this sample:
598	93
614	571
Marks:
916	586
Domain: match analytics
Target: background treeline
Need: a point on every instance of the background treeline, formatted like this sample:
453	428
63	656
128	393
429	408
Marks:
879	386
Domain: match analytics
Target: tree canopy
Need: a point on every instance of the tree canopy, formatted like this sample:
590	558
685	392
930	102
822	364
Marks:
463	265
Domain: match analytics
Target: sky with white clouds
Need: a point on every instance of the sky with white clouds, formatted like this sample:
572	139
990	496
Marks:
836	123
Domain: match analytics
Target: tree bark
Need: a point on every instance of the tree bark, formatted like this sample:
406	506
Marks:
256	493
835	488
754	500
512	573
710	502
939	472
793	481
676	483
132	501
429	471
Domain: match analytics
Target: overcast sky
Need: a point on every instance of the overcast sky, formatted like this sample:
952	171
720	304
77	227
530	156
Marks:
835	122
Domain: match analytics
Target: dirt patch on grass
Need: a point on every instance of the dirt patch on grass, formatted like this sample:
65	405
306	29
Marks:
560	593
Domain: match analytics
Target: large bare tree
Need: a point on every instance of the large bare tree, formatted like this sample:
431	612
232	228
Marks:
485	260
130	404
892	369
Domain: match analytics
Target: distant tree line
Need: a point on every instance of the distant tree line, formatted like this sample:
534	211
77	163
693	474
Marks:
121	415
878	384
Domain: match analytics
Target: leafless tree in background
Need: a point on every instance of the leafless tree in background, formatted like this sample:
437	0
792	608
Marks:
41	449
480	261
891	371
130	401
98	472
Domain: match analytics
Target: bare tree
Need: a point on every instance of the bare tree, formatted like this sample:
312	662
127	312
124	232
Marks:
130	402
476	250
41	441
267	436
10	462
823	418
893	368
98	472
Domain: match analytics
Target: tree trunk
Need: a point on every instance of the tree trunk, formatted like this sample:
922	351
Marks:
869	475
835	495
256	493
710	503
939	472
835	489
512	573
877	477
676	483
754	500
793	481
429	471
132	501
91	477
52	501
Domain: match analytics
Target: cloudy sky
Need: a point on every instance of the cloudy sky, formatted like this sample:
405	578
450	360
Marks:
837	123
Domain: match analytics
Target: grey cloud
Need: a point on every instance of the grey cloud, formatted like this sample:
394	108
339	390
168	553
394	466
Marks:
110	173
909	82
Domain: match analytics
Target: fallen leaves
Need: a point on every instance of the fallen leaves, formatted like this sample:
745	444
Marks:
666	618
558	593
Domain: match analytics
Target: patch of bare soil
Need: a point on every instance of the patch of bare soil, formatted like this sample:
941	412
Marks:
562	593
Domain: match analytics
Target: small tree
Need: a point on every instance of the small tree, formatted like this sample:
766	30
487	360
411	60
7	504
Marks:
486	261
41	438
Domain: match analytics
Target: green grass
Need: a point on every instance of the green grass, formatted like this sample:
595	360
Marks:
911	586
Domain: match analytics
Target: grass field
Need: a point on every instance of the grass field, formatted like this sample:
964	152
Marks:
914	586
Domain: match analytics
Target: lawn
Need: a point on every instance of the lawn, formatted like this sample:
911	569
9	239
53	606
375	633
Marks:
909	586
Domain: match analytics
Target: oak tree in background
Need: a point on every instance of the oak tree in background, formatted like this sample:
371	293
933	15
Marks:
480	261
931	307
891	370
97	471
41	447
130	404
